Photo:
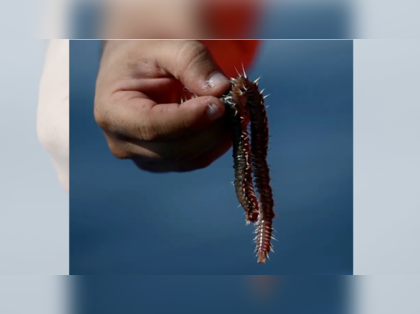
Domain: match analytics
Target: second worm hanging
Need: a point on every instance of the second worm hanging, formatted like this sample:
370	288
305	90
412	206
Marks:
245	105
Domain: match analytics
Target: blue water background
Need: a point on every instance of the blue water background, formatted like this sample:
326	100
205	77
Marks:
125	221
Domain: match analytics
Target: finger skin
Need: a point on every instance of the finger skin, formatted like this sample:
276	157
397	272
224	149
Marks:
136	86
143	119
188	61
192	63
132	108
184	149
206	159
200	162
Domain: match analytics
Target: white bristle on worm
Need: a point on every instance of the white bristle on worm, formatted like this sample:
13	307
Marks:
243	69
235	99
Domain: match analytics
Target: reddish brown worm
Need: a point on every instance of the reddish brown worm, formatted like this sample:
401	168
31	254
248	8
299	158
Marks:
245	105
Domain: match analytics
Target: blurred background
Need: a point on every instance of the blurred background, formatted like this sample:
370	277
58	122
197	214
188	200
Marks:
34	228
209	294
125	221
235	19
212	294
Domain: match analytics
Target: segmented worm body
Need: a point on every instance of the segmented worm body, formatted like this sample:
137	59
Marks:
245	104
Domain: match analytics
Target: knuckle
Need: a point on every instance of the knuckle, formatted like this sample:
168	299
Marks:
118	151
195	48
194	52
146	129
186	123
148	132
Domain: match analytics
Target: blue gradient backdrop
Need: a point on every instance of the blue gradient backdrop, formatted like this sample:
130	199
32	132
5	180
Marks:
125	221
212	294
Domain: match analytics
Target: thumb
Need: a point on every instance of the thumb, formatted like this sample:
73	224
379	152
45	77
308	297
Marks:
192	63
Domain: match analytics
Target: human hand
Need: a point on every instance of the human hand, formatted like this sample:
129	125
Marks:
138	91
53	108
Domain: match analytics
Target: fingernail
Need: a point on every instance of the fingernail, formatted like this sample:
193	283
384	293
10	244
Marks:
214	112
217	79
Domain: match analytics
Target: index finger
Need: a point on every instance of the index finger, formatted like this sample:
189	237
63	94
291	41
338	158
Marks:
141	118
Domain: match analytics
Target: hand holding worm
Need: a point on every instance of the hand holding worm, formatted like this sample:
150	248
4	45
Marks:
139	89
137	104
